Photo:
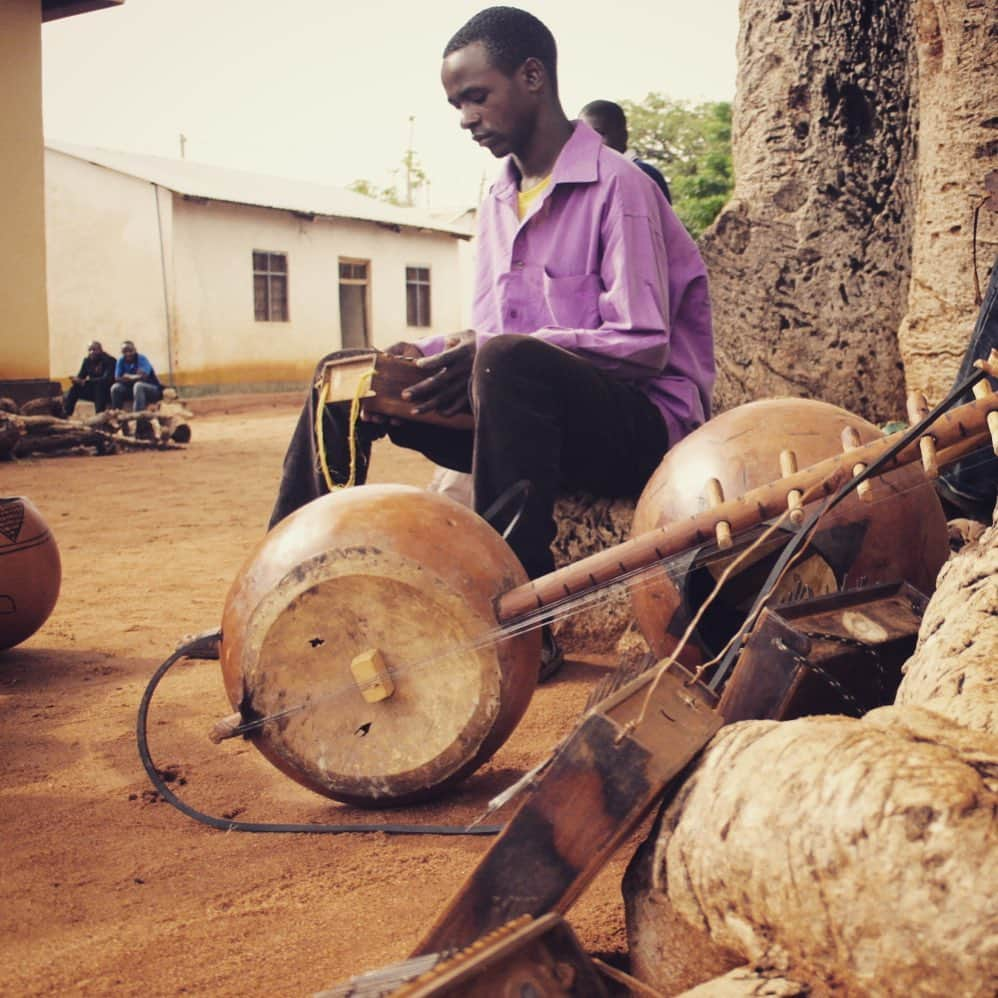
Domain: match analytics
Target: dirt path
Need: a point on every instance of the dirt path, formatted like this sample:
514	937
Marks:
108	890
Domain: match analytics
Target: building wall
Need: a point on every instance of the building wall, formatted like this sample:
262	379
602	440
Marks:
104	262
130	260
24	330
219	343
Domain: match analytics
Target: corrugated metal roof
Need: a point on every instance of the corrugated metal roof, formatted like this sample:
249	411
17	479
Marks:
216	183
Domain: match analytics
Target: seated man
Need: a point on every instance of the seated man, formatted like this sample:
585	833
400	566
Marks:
609	120
92	382
135	379
592	349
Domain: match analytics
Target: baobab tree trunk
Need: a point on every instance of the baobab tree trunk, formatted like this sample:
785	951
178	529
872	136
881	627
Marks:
851	203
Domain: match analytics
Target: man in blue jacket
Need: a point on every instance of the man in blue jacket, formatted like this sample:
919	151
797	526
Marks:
135	380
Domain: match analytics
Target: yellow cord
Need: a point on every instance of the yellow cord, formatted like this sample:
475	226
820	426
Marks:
362	386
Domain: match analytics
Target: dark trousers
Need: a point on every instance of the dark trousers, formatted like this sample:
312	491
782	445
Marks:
97	392
542	415
972	484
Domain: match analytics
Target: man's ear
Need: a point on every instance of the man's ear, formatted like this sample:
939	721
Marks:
534	74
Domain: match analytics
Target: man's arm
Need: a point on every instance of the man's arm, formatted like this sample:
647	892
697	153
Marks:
143	369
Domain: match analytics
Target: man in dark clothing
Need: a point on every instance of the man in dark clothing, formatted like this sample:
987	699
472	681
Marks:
970	487
93	382
609	120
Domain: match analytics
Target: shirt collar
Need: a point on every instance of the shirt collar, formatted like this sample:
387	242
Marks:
577	163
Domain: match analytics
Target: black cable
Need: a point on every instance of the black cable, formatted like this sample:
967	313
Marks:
519	492
803	535
200	643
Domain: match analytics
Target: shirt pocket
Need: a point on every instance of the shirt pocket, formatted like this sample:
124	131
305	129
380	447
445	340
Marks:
573	302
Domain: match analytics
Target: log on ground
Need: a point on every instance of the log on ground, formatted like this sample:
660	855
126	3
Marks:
954	670
857	854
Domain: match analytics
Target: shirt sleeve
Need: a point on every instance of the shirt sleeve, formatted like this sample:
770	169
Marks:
119	367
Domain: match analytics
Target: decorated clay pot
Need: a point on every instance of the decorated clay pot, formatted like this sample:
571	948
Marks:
30	571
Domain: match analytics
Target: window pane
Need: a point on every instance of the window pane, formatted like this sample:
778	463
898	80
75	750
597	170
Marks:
259	260
278	263
260	308
279	299
424	312
411	306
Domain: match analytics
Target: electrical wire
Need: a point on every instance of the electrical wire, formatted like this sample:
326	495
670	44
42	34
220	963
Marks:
231	825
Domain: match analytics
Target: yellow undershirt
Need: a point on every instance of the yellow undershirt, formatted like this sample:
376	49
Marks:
525	199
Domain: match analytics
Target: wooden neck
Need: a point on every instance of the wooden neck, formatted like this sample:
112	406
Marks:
955	434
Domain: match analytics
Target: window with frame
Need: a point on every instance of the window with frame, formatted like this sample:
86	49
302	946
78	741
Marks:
270	286
354	290
417	296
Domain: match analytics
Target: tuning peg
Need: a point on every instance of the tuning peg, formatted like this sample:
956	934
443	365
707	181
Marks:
788	467
715	496
983	390
851	441
918	409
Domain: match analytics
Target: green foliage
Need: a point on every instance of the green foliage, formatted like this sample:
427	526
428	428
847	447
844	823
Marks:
691	145
410	175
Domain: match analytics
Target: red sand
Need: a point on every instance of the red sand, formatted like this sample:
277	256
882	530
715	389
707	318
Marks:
108	889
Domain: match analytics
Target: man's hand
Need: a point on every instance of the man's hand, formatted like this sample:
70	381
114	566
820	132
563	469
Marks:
447	387
79	381
409	350
401	349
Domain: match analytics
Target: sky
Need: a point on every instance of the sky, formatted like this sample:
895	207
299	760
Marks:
324	90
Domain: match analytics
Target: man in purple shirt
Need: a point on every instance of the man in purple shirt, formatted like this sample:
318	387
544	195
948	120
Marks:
591	350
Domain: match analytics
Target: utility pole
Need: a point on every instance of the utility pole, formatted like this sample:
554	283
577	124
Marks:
183	145
409	153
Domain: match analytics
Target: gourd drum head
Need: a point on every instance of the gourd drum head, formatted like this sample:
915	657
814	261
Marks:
898	535
405	574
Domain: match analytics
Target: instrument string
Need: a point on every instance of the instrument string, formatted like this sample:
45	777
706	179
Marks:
633	581
662	667
362	387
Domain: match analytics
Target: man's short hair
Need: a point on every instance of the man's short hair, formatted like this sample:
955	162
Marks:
606	111
127	343
510	36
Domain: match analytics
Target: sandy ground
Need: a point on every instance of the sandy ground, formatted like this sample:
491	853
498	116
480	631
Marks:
108	889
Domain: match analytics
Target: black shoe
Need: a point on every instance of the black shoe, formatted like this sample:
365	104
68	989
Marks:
551	657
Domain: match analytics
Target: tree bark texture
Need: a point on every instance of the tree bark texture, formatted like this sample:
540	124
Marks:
954	670
846	179
956	46
857	854
750	982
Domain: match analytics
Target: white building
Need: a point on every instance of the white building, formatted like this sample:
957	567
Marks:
231	281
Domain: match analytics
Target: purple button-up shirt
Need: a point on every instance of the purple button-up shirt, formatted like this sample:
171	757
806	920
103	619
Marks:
601	267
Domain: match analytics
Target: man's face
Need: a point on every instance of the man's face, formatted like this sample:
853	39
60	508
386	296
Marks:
94	350
128	352
497	109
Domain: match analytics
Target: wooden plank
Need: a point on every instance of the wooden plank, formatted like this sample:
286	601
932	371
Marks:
594	792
